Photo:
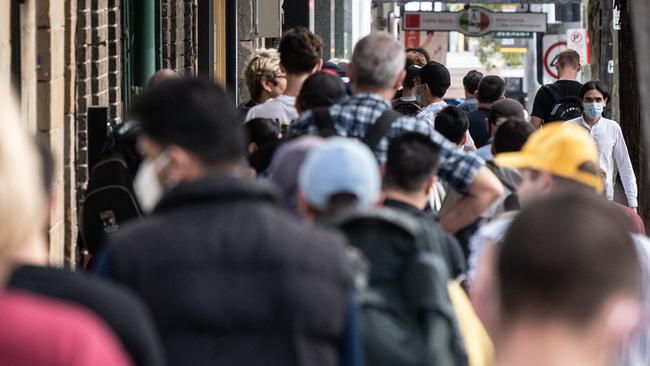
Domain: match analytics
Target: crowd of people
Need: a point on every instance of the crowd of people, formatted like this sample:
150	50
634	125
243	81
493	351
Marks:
345	215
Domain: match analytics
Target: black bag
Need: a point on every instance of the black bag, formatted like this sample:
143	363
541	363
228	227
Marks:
375	133
407	108
110	200
565	107
407	318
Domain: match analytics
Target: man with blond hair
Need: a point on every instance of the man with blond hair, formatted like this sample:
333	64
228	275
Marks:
264	78
301	53
559	101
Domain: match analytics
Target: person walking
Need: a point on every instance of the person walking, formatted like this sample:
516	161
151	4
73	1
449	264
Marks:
612	150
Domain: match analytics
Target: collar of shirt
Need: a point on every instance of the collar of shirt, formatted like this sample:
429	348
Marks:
437	106
401	205
408	99
356	98
586	125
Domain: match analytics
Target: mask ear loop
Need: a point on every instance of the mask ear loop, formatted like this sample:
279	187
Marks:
162	164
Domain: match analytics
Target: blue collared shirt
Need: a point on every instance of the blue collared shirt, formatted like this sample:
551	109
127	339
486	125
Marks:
353	117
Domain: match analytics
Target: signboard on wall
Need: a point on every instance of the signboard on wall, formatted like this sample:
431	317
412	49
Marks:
578	40
553	44
475	21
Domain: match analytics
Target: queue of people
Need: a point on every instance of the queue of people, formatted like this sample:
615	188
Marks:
331	220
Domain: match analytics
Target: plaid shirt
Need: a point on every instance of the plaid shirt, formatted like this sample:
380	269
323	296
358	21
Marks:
353	117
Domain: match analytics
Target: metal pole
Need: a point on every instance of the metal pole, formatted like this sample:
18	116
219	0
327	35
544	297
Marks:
206	38
144	41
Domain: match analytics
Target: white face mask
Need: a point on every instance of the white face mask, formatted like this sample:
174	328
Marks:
146	185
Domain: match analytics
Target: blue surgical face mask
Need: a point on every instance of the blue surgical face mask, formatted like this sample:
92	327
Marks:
593	110
418	97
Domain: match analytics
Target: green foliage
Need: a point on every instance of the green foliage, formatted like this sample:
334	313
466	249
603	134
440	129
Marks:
488	47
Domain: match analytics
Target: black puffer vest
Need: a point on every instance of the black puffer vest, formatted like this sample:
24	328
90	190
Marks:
231	279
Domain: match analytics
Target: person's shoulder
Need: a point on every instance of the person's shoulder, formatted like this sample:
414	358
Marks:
575	122
61	332
100	296
262	110
611	124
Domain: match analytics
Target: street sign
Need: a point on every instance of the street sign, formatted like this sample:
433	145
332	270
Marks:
512	35
475	21
552	46
578	40
616	17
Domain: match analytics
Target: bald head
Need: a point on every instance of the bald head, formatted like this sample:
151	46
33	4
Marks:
162	75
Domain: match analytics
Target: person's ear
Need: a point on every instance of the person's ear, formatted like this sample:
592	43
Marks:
399	79
252	147
545	181
303	205
318	66
430	184
463	141
266	85
621	319
284	71
349	72
181	166
476	94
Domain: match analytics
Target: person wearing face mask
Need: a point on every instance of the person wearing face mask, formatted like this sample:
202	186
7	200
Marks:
229	276
609	140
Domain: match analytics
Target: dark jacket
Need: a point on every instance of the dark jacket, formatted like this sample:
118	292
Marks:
231	279
122	310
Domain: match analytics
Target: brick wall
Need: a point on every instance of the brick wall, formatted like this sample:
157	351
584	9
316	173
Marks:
50	35
177	26
99	70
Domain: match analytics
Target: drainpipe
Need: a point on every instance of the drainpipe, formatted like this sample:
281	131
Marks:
144	42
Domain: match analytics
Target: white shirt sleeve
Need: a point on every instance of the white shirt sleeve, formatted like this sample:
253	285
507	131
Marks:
622	159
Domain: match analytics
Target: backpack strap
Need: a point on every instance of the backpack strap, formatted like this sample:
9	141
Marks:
380	128
555	94
324	122
554	91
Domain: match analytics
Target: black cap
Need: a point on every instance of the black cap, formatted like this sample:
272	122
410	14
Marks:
437	77
321	90
505	108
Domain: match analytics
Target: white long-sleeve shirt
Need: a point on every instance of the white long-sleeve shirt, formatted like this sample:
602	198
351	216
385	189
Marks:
613	154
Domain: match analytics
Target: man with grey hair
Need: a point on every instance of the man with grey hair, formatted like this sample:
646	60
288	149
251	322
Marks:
376	71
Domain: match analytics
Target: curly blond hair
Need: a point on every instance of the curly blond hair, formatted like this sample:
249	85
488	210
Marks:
264	65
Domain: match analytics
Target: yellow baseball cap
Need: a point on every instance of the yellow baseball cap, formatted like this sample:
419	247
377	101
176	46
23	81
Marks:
564	150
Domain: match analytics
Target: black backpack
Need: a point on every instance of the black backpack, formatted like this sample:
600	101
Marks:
565	107
408	108
110	200
374	134
407	318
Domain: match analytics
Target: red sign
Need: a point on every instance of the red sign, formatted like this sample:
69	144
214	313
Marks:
550	58
412	20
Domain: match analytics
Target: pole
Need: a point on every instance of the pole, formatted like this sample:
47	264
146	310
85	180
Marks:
206	38
144	41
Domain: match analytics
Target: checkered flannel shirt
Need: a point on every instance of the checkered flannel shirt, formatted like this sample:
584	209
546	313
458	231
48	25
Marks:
353	117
